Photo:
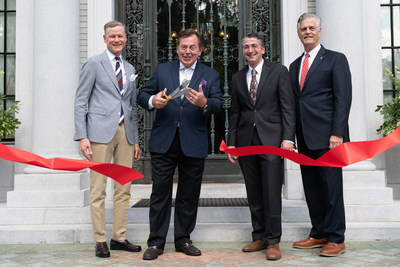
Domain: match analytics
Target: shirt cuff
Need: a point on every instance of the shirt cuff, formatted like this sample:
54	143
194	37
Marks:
150	102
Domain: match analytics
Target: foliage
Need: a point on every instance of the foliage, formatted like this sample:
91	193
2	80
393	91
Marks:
8	122
390	110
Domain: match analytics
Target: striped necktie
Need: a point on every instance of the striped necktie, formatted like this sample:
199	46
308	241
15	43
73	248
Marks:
118	74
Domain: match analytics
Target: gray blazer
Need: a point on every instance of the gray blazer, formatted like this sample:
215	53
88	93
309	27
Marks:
98	102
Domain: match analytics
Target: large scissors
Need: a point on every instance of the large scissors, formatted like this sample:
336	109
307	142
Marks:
183	89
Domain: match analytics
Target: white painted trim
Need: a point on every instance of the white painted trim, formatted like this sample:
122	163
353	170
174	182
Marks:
291	46
99	13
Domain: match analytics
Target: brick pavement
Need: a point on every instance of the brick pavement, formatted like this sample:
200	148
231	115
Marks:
377	253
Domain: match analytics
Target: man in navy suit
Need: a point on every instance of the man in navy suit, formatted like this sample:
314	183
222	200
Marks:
321	81
179	138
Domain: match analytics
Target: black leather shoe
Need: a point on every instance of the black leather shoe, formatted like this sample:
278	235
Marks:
102	250
152	253
189	250
124	245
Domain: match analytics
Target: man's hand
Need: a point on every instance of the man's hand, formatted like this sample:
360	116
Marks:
197	98
335	141
231	157
86	148
287	145
137	152
158	101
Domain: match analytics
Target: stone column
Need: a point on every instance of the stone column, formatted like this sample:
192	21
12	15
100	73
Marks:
53	76
353	28
291	49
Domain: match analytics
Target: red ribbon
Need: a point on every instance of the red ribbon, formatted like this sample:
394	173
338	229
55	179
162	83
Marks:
340	156
119	173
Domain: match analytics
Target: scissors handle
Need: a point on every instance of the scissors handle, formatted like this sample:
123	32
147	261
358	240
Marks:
167	97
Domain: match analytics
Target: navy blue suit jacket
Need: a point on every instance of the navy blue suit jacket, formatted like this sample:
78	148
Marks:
323	106
192	120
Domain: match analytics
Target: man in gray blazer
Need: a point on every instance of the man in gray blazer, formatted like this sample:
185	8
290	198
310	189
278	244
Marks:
106	126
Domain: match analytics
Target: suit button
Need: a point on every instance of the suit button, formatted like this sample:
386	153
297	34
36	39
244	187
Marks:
180	107
254	124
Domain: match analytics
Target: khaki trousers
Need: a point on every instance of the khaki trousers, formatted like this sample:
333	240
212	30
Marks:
122	152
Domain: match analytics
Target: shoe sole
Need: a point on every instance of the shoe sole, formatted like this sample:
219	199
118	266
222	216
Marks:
273	258
315	246
332	255
253	250
138	250
103	256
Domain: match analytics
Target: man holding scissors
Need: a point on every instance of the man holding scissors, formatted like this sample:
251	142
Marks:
178	138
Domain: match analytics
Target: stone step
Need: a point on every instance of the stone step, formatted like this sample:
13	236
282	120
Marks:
204	232
293	211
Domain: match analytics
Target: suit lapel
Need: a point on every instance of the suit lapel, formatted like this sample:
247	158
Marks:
317	61
175	80
105	61
264	75
245	86
297	73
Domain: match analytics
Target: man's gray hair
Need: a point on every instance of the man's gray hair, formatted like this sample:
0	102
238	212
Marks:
308	15
112	24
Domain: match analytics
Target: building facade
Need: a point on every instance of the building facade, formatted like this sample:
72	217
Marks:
54	39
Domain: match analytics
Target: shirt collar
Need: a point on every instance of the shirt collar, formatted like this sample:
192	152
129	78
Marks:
258	68
182	67
313	53
111	56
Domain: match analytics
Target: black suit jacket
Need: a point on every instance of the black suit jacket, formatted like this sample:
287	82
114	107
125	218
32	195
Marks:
273	113
323	106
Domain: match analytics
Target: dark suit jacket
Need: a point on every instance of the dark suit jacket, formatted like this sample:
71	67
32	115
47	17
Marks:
323	106
192	119
274	110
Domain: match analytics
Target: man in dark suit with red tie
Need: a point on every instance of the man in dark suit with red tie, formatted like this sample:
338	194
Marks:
321	81
262	113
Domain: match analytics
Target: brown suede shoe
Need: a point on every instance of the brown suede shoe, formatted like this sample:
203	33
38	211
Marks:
256	245
273	252
310	243
332	249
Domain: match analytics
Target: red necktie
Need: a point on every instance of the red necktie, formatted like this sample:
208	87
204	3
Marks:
253	86
304	71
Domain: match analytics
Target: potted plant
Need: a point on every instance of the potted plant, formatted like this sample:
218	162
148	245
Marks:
390	110
8	122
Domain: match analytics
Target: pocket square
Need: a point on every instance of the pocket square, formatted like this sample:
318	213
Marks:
133	77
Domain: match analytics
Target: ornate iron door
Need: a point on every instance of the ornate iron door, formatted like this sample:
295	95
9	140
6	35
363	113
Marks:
152	28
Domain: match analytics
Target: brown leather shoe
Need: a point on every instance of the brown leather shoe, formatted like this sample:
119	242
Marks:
310	243
332	249
273	252
256	245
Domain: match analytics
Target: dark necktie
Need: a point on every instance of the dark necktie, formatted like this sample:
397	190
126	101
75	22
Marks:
118	74
253	86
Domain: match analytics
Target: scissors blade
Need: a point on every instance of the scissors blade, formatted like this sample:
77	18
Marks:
182	92
183	85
